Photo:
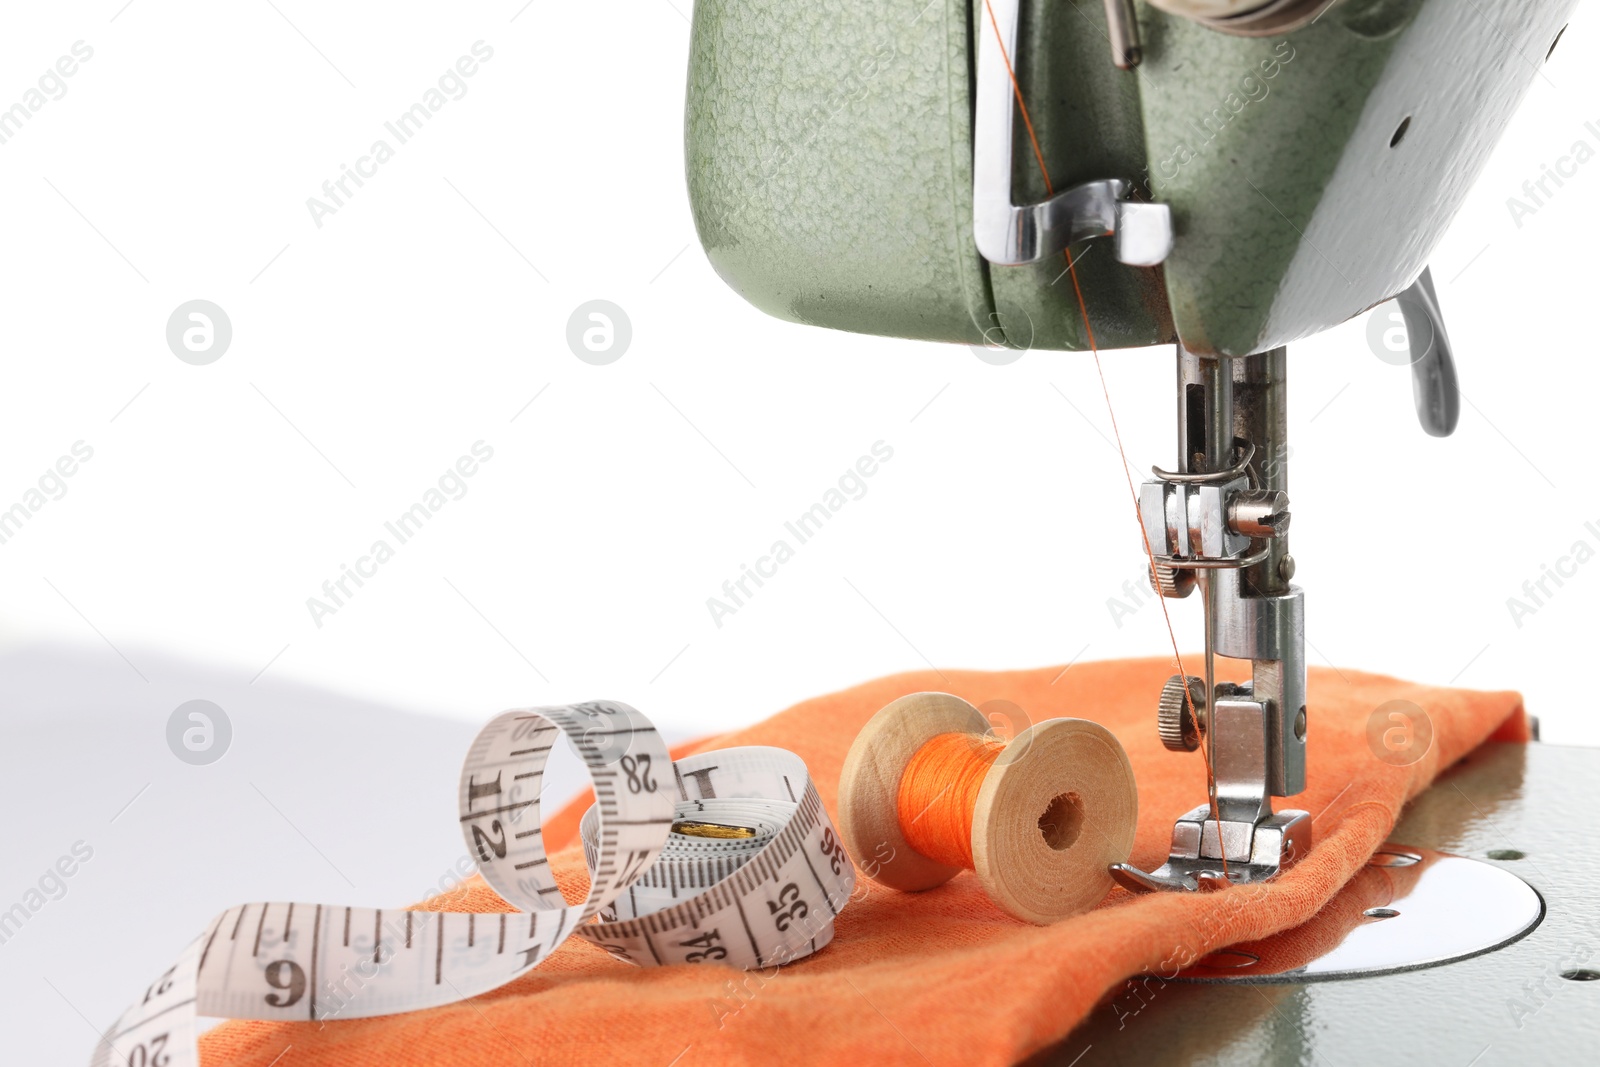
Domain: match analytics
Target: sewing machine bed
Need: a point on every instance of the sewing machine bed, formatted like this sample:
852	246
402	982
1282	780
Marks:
1510	1006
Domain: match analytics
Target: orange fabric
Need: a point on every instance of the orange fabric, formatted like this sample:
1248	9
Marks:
942	976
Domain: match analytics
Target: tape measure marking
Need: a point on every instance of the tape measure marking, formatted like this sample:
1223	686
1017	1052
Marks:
794	899
316	962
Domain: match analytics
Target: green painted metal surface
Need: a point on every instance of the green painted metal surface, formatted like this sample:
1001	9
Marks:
829	161
1244	134
1311	175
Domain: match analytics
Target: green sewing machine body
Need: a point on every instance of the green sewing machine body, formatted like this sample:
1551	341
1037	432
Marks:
1309	175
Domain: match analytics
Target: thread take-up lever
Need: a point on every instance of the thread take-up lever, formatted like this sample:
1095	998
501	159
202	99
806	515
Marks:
1009	234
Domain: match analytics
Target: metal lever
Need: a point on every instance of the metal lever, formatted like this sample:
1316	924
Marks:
1433	370
1122	29
1009	234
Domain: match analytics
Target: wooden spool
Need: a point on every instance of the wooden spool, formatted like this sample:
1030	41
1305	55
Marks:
1056	809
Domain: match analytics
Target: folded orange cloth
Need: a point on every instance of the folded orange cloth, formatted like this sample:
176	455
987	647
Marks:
942	976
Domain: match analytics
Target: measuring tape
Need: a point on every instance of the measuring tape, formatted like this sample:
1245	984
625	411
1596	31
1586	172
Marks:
725	857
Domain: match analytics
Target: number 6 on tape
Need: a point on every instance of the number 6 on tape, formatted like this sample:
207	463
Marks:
763	856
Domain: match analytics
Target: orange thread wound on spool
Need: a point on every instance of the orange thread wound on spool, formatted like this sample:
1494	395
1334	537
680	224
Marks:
939	792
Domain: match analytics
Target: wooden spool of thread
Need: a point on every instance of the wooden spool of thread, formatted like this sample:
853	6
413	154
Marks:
927	792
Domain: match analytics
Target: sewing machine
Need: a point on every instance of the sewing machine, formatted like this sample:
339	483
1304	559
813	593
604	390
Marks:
1232	175
1225	176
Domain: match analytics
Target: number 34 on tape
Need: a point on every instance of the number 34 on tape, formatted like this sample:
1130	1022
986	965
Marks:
726	857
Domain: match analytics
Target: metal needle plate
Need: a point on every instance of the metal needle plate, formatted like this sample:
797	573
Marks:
1409	908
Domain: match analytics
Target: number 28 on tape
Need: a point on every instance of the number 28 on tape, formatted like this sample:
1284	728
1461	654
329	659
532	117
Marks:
725	857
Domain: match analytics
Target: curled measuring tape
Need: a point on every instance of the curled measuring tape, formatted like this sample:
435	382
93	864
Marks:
727	857
753	874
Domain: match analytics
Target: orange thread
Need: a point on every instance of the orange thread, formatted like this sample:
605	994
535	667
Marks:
1088	329
939	792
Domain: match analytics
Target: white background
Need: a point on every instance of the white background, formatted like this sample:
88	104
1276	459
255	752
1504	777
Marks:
430	313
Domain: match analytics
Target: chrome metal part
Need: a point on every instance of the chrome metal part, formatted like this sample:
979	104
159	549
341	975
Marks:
1244	841
1199	564
1259	513
1225	515
1183	704
1122	29
1277	841
1170	583
1184	521
1009	234
1434	387
1240	469
1238	762
1260	615
1420	908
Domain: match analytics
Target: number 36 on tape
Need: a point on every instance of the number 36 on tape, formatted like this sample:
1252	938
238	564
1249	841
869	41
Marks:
725	857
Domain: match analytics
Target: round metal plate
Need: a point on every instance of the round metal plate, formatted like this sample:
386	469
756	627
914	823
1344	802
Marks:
1408	908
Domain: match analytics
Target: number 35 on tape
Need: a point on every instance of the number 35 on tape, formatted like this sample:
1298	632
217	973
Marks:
726	857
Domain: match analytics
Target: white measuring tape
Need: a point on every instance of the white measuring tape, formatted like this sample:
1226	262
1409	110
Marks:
726	857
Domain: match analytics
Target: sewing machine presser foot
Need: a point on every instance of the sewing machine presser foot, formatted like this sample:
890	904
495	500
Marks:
1195	865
